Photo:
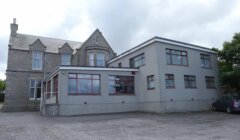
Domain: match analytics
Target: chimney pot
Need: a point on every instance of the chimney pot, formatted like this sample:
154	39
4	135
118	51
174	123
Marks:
14	21
14	28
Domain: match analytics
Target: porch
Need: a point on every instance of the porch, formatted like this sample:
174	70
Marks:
89	90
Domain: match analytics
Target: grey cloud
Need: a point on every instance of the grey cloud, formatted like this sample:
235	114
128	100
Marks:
127	23
118	20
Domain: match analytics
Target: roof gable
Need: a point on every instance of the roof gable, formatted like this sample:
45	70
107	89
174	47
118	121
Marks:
37	45
96	39
66	48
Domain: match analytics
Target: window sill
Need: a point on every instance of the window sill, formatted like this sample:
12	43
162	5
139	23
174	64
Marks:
151	88
85	94
178	65
119	94
37	70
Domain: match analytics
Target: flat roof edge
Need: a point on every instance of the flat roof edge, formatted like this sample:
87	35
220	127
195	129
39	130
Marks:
54	71
163	40
97	68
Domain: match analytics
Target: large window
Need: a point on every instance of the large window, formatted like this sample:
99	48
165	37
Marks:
100	59
169	79
91	59
37	60
176	57
190	81
120	85
35	89
66	59
55	85
150	82
137	61
205	60
83	84
210	82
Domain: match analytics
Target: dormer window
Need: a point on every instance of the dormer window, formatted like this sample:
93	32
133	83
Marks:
37	60
66	59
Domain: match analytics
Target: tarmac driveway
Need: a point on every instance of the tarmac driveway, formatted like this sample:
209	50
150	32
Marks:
124	126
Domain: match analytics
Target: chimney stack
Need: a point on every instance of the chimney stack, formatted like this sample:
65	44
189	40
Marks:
14	28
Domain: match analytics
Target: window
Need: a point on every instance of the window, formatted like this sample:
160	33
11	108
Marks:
66	59
49	89
210	82
137	61
91	59
37	60
55	85
120	85
169	78
190	81
150	82
119	65
100	59
35	89
205	60
176	57
83	84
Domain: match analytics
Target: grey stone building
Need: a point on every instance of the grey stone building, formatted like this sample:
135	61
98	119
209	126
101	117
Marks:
31	58
74	78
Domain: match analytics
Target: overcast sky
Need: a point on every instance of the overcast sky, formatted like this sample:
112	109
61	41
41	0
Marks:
124	23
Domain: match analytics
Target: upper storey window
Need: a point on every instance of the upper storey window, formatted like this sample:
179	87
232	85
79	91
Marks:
205	61
66	59
37	60
176	57
100	59
96	59
91	59
137	61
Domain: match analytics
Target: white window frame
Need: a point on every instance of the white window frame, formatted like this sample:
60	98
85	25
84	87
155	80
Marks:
100	59
150	82
37	56
35	87
65	59
90	59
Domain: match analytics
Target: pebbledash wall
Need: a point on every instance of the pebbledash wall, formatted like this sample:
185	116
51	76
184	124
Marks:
179	98
160	99
78	104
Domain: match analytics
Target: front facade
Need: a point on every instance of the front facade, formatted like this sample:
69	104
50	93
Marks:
159	75
31	58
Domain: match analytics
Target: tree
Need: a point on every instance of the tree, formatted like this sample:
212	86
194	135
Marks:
2	85
229	64
2	88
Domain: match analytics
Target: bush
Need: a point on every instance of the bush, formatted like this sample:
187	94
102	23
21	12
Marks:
2	97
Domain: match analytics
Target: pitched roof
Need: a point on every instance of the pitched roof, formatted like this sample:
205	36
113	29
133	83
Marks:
163	40
22	42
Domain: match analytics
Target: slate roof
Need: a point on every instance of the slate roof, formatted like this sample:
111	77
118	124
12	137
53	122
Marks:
22	42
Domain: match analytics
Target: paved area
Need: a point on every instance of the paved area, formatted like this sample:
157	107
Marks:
126	126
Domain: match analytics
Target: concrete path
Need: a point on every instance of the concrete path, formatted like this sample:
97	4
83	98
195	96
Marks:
126	126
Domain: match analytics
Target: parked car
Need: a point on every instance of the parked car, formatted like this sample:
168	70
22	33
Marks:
230	104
